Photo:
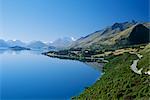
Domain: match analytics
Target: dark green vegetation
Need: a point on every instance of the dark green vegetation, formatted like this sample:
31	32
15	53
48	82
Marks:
119	81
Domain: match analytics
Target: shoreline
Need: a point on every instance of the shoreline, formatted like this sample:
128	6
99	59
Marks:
96	65
117	80
82	59
90	62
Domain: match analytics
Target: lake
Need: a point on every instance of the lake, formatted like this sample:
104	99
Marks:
28	75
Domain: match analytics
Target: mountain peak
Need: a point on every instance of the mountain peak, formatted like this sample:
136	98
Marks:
112	34
139	34
117	25
73	39
63	42
15	43
123	25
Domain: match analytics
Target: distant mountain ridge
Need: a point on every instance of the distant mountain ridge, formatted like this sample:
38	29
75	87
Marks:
62	42
3	43
117	34
35	45
12	43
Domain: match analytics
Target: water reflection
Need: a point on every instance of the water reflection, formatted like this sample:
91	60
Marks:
32	76
97	66
8	51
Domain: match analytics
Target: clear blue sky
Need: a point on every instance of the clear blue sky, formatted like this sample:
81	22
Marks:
47	20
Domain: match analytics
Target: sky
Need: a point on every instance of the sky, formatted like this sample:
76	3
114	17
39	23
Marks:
47	20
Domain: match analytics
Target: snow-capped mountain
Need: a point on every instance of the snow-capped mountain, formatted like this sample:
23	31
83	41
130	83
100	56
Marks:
63	42
13	43
34	45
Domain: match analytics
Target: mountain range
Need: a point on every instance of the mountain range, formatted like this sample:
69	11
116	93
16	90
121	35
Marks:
119	34
13	43
59	43
63	42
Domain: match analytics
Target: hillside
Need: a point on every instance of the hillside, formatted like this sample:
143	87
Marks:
145	61
118	34
119	81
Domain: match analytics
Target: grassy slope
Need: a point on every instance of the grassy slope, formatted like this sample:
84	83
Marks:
145	61
119	82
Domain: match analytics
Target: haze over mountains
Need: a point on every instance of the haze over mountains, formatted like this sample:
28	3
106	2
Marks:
12	43
59	43
63	42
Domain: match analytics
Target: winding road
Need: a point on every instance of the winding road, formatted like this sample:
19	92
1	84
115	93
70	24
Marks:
134	65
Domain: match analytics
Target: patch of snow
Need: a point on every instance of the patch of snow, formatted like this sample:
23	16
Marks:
73	39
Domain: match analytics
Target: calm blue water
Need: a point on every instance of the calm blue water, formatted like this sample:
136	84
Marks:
28	75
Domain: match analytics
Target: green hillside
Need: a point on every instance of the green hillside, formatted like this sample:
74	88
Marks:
145	61
119	81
